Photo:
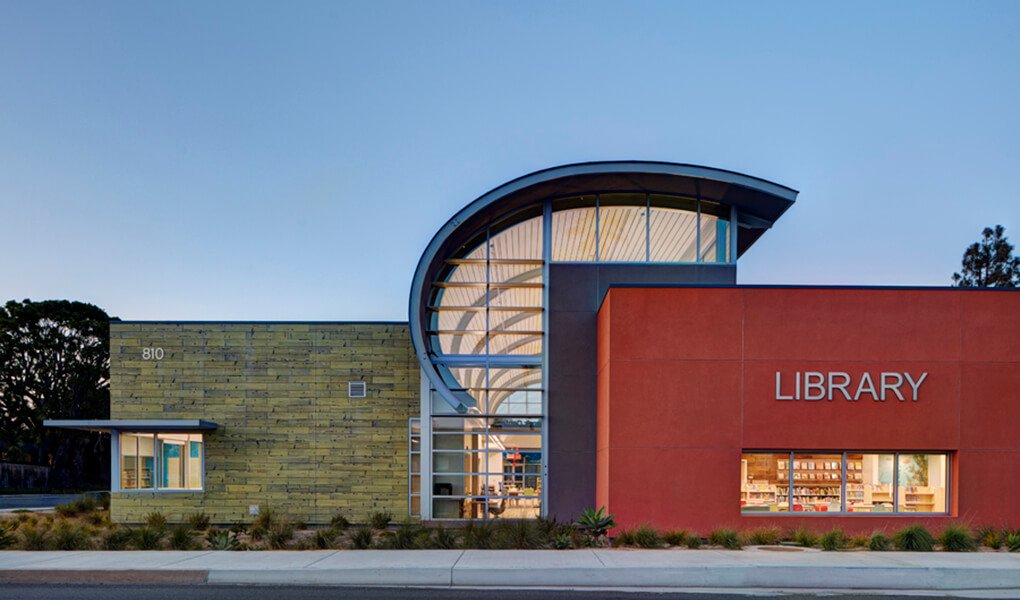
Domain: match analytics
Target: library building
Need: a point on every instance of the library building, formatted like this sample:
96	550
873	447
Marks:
577	338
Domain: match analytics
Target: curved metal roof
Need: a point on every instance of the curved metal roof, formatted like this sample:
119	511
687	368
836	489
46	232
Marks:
759	204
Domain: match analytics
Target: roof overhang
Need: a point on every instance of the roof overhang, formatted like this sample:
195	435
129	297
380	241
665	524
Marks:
135	425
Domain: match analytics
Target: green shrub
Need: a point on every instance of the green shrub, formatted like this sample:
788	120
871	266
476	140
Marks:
221	539
443	539
858	541
361	538
956	538
339	522
66	510
727	538
1013	541
645	536
181	538
768	536
78	506
804	537
149	538
35	537
562	541
326	539
596	523
879	542
380	520
97	518
990	537
117	538
199	521
71	535
7	538
832	540
406	536
914	538
693	541
518	535
675	537
624	538
478	535
280	534
156	520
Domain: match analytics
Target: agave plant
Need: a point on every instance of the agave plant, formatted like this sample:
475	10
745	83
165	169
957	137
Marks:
596	522
221	539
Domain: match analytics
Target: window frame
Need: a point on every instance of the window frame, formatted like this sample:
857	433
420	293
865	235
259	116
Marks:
896	512
157	470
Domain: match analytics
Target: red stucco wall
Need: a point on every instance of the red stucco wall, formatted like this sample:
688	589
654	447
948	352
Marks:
687	381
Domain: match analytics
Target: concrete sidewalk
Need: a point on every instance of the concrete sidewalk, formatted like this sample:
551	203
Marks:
753	568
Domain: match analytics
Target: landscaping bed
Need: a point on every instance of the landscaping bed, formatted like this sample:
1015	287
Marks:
85	525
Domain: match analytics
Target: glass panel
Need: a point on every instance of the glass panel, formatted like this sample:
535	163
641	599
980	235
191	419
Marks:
194	467
508	377
415	463
869	481
461	320
922	483
458	462
515	402
415	506
468	272
460	485
817	482
138	464
467	343
515	273
468	403
622	228
514	424
520	241
460	296
128	461
714	232
764	482
573	229
515	344
673	224
515	297
505	320
458	508
415	484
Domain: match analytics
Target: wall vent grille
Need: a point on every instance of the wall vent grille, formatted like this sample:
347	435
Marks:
357	389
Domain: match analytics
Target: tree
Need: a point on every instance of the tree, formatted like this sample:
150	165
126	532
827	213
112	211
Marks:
989	262
55	364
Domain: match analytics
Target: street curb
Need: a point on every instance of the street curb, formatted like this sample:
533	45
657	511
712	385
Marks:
102	576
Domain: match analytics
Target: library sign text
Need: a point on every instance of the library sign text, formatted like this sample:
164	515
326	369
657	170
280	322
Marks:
836	385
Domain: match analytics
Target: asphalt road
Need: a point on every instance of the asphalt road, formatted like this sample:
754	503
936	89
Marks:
182	592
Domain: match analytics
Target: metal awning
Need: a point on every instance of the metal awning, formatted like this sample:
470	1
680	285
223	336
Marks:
136	425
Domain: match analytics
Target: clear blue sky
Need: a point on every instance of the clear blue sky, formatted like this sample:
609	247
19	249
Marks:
243	160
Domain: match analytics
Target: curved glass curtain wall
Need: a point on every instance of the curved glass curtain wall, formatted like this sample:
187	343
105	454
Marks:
486	334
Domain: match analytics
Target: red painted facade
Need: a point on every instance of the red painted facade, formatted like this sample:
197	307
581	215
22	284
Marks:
686	383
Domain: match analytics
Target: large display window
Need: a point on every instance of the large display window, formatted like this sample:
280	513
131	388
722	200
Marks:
161	461
844	482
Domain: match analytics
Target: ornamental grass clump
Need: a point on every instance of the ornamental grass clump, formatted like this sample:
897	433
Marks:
768	536
1013	541
117	538
478	535
156	520
727	538
406	536
35	536
442	539
914	538
361	538
991	537
956	538
624	538
693	541
72	535
858	541
149	538
181	538
675	537
804	537
380	520
518	535
199	521
646	536
339	522
879	542
833	540
327	539
280	534
7	538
